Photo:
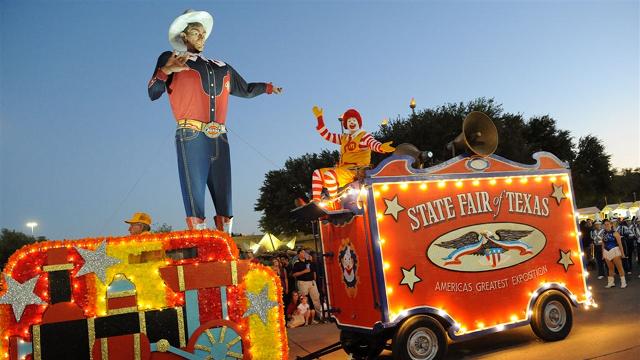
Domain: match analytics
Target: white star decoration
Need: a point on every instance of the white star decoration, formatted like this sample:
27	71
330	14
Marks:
558	193
393	207
20	295
96	261
409	277
565	259
260	304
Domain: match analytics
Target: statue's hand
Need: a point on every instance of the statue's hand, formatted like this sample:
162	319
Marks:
176	63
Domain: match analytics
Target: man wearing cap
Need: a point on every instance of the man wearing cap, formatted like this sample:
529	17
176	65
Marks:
140	223
198	90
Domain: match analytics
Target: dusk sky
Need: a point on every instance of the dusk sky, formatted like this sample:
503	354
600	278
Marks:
82	147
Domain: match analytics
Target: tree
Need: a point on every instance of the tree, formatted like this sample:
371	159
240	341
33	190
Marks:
281	187
625	186
164	228
591	172
11	240
542	134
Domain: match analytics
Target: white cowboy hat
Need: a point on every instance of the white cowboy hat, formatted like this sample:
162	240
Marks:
181	22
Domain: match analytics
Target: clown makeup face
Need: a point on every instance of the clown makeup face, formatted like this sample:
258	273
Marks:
194	37
352	125
347	266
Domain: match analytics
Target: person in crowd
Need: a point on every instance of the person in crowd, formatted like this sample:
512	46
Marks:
294	300
587	242
628	243
282	274
305	275
613	253
636	230
596	237
140	223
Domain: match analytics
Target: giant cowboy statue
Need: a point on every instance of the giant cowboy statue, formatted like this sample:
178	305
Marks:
198	90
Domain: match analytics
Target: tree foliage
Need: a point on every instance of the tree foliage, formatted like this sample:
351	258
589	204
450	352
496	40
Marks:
11	240
164	228
591	170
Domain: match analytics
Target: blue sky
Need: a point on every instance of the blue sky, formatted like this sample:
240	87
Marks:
82	147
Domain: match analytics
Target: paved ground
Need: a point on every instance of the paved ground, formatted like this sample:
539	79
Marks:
611	332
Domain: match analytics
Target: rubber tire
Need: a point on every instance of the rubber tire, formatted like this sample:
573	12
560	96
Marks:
540	328
361	346
401	339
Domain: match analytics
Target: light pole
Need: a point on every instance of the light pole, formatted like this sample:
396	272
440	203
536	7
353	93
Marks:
412	105
32	224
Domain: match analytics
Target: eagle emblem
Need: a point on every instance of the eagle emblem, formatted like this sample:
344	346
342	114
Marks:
486	243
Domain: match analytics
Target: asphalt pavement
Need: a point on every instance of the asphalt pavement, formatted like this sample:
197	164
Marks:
610	332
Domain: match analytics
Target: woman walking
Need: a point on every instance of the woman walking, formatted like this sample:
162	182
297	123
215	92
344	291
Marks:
613	252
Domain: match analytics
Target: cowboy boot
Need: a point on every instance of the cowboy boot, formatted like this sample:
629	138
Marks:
610	282
223	223
623	282
194	223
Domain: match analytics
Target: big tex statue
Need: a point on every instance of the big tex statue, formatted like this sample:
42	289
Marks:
198	90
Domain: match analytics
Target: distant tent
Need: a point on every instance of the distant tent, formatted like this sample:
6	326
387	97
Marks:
588	213
269	242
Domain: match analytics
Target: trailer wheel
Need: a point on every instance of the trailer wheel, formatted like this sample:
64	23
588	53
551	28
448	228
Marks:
420	338
362	346
552	316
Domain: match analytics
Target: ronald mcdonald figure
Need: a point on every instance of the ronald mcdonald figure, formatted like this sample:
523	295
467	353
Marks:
355	153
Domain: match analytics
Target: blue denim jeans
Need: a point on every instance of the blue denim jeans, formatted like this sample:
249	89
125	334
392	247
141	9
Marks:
203	161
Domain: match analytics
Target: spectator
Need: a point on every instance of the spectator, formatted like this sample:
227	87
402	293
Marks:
294	300
628	244
282	274
305	276
596	236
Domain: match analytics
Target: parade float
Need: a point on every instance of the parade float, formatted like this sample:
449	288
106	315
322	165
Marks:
179	295
472	246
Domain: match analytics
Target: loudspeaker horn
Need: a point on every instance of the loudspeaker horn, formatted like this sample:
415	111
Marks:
479	135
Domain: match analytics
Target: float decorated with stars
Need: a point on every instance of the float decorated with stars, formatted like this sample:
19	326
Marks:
179	295
474	245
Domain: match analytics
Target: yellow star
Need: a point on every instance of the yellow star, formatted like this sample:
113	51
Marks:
393	207
409	277
565	260
558	193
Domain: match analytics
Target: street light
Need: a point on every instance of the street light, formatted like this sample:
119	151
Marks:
412	105
32	224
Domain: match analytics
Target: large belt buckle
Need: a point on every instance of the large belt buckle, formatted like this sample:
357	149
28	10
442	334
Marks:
214	129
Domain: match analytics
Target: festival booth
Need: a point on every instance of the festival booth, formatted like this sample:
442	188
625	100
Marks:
180	295
472	246
592	213
622	210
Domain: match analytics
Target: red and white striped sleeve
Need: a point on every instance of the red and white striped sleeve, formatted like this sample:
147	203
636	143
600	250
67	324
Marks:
329	136
370	142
